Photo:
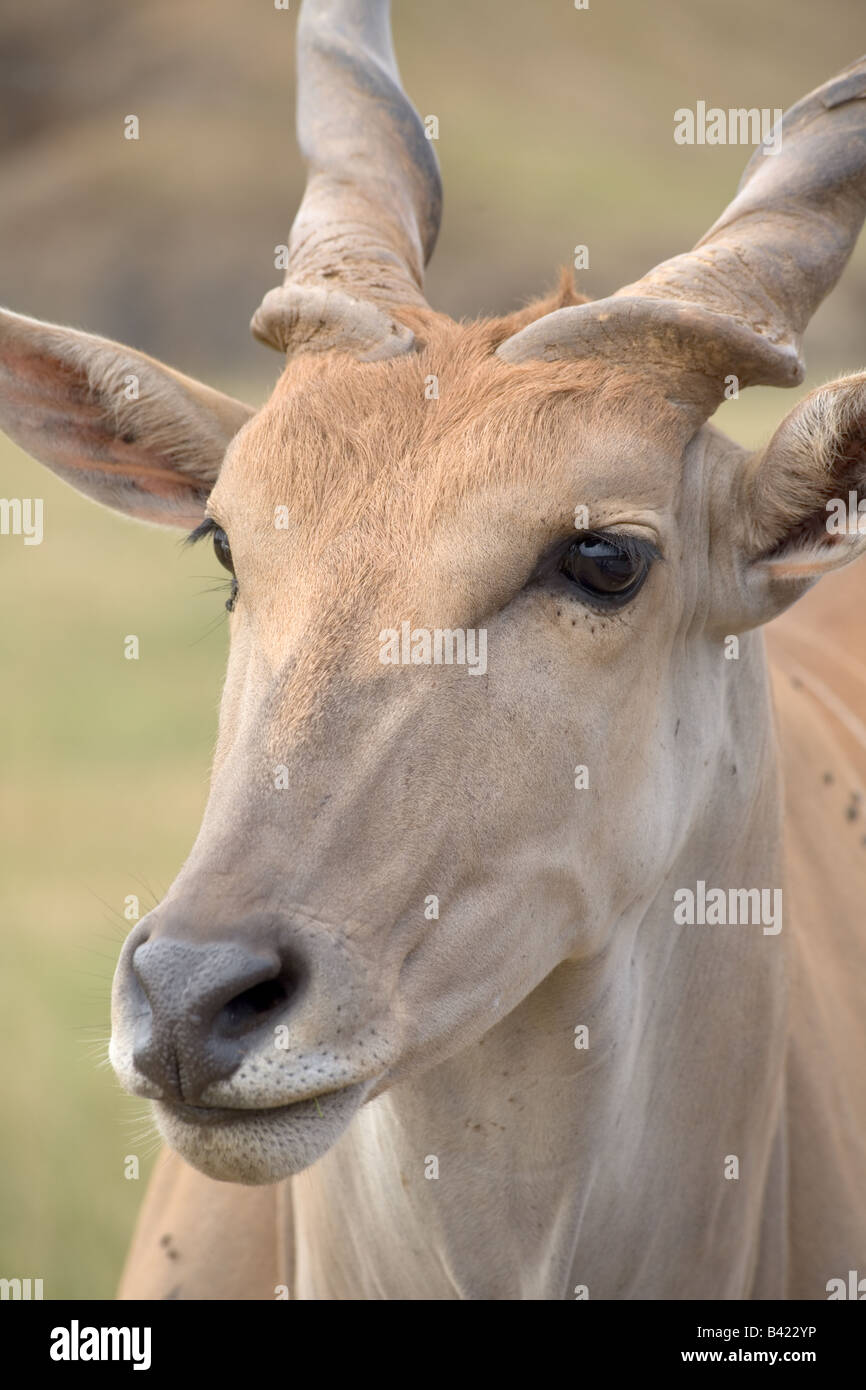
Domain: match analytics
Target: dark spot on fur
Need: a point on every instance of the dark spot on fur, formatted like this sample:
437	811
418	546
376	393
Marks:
828	778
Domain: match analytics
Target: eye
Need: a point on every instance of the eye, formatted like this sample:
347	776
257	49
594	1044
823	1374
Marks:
609	569
222	549
223	552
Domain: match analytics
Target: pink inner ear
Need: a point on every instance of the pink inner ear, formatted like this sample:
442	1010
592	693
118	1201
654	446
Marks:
49	408
35	377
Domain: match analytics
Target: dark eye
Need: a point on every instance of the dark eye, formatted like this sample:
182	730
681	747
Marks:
606	568
222	549
223	552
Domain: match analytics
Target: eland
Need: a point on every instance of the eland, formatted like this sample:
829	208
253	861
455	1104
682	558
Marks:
544	980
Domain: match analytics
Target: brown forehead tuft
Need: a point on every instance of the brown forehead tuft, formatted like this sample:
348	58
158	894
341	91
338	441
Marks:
452	384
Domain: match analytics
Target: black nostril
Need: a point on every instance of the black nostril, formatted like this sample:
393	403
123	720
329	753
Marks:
249	1007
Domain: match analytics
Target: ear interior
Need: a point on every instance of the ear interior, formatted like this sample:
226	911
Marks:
805	496
114	423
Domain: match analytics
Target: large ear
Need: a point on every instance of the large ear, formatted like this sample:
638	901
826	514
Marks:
116	424
803	498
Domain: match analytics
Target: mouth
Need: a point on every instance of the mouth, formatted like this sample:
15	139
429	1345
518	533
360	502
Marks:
258	1146
224	1114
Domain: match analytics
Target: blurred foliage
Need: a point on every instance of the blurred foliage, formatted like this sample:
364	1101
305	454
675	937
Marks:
555	129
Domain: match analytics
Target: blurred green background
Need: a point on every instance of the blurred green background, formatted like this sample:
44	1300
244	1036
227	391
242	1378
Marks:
555	129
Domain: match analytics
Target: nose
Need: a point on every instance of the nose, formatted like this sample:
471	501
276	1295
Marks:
198	1008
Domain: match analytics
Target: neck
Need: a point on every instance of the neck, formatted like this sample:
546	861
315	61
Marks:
636	1167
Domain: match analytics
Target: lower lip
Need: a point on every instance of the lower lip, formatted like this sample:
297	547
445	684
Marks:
215	1115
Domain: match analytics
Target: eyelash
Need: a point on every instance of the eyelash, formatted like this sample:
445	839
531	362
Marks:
635	547
204	528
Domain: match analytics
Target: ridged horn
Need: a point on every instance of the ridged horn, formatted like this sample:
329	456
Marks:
370	215
739	302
